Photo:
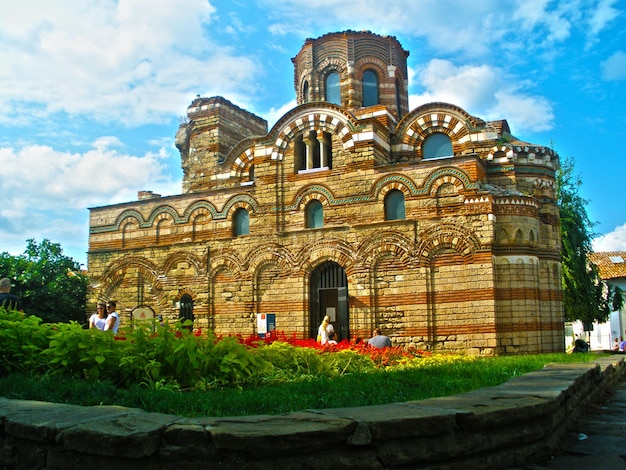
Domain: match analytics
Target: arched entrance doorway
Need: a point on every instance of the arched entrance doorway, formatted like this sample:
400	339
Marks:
329	296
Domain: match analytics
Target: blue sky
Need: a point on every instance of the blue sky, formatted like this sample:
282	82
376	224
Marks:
92	91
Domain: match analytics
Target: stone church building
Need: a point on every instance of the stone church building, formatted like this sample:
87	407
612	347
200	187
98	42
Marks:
438	227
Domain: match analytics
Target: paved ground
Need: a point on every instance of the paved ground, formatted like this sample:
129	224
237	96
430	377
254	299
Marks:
598	441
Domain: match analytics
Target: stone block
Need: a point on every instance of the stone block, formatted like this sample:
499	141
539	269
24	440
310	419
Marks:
135	435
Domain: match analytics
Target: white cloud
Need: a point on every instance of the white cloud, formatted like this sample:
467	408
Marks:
474	29
555	23
471	27
614	68
56	179
522	111
600	18
107	141
484	91
132	61
612	241
46	192
274	114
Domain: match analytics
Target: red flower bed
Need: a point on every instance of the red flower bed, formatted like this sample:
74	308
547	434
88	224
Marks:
381	356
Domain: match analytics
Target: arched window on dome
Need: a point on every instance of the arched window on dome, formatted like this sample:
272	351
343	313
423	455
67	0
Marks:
241	222
437	145
394	205
332	88
371	95
314	214
305	92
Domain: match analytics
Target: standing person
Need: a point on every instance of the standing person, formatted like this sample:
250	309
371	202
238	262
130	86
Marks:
113	319
378	340
8	300
324	329
99	319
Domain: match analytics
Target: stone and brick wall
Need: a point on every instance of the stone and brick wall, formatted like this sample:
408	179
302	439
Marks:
474	266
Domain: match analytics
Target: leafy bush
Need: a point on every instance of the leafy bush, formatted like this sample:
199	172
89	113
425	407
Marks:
171	356
22	340
77	352
231	375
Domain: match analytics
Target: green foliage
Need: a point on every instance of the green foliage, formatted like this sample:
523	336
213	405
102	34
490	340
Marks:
77	352
585	296
171	370
171	357
375	387
49	284
23	339
296	363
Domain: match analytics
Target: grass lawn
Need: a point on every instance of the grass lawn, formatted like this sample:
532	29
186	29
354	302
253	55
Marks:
439	375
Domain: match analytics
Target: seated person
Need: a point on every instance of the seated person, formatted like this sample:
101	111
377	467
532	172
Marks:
331	338
378	340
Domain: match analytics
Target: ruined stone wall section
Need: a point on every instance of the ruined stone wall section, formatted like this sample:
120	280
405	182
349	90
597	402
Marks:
215	126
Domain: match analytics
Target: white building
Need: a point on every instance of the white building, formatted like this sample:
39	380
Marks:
612	266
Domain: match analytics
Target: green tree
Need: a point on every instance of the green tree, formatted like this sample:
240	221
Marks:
586	297
49	284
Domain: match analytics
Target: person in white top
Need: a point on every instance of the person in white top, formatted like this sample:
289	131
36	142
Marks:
98	320
324	329
113	319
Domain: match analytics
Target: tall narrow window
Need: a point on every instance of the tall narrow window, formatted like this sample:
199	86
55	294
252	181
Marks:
186	309
333	90
299	153
314	214
394	205
437	145
370	88
241	223
305	92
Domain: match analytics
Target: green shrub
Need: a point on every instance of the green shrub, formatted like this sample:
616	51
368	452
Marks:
171	360
77	352
22	341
